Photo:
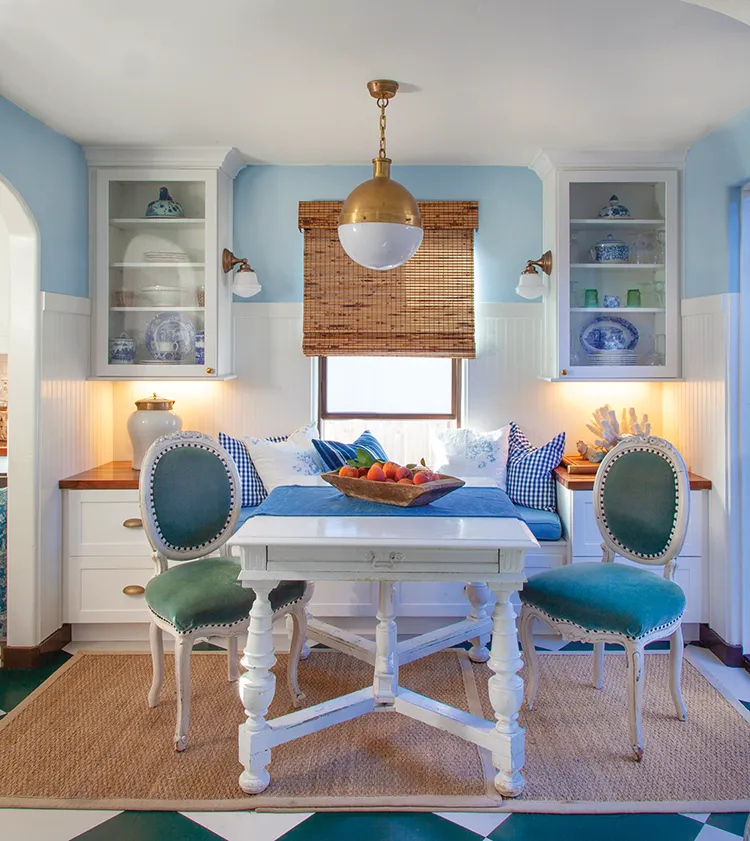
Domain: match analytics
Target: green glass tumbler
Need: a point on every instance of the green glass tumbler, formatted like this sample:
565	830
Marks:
634	297
591	298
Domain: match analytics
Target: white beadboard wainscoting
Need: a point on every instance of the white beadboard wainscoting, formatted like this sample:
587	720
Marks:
74	434
701	417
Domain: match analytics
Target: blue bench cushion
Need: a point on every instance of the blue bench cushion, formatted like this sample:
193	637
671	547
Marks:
606	597
544	525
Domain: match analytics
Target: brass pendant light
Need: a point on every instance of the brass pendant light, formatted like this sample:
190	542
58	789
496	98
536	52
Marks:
380	226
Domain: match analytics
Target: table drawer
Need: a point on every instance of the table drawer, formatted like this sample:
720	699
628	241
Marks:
471	563
104	523
93	589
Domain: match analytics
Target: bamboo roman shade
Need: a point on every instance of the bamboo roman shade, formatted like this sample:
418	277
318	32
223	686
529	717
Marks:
423	308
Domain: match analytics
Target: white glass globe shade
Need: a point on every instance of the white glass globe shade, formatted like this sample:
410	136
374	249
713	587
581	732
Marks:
530	286
380	245
245	285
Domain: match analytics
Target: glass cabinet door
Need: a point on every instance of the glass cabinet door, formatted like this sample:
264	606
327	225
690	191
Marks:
156	268
619	298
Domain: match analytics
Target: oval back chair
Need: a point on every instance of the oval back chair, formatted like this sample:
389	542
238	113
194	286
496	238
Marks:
641	505
190	505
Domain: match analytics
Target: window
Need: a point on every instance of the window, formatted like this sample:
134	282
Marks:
403	401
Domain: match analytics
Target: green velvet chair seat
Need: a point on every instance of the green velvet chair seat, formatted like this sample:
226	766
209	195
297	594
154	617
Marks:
207	592
606	597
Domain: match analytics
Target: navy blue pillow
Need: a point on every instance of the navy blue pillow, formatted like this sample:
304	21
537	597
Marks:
335	454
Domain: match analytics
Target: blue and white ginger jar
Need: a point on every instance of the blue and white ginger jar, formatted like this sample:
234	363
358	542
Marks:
122	350
614	209
610	250
165	205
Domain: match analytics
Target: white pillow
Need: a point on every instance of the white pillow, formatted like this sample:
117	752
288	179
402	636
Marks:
286	462
467	454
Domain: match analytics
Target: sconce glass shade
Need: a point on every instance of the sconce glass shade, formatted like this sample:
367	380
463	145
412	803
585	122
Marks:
380	226
245	284
530	285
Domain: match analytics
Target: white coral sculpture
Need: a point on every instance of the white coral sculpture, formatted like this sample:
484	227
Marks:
609	431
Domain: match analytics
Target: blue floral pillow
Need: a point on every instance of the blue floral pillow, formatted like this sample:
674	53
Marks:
530	479
335	454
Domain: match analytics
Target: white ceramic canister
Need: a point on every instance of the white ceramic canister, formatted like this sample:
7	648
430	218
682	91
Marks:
152	419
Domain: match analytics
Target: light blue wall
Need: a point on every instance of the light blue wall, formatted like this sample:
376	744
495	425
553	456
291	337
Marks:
716	168
265	218
49	172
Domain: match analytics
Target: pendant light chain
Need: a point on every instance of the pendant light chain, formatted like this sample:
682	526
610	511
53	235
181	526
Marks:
383	103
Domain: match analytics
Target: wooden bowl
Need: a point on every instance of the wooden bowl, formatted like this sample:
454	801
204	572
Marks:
405	496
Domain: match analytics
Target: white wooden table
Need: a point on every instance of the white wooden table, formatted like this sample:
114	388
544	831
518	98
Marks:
386	550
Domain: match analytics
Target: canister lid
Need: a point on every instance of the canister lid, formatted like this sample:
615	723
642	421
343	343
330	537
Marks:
154	404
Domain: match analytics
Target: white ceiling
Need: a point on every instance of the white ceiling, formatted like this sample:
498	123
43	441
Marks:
485	81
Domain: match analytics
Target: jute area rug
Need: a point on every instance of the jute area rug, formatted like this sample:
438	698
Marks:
87	739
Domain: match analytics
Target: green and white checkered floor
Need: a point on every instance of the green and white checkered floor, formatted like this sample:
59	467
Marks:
68	825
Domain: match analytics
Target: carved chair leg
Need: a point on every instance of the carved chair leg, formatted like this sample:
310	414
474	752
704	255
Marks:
598	665
183	647
233	664
298	618
676	648
157	663
634	657
525	624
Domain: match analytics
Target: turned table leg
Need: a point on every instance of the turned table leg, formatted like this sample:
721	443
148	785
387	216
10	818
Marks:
506	693
478	594
385	682
257	686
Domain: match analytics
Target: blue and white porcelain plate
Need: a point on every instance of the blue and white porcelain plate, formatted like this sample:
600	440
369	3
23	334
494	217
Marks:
609	332
170	337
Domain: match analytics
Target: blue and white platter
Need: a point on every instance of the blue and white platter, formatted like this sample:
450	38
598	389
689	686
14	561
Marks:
170	337
608	332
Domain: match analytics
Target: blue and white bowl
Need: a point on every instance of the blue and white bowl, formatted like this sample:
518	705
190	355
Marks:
614	209
610	250
122	350
165	205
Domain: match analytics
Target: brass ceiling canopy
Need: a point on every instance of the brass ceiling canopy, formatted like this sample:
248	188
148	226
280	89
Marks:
381	199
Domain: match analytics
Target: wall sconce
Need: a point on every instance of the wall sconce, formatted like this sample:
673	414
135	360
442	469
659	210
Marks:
245	283
531	284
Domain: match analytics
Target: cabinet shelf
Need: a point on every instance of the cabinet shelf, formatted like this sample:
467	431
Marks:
617	309
156	222
627	222
626	266
157	265
157	309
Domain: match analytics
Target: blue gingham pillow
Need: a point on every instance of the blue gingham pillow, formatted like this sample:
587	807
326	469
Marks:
335	454
253	492
530	479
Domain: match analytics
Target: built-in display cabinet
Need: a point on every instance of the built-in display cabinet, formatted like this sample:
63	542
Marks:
612	300
161	302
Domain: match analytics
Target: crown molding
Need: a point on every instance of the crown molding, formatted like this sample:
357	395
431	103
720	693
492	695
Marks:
548	159
231	161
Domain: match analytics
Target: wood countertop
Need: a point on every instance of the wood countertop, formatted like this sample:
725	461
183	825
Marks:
583	482
115	475
119	475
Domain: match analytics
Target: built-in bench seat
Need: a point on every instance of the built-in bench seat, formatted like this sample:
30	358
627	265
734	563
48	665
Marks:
544	525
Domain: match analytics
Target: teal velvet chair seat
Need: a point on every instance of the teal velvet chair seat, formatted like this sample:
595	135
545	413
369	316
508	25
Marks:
641	503
207	593
607	597
190	504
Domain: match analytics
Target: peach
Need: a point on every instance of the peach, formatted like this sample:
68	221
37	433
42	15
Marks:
349	472
390	481
390	468
405	481
403	473
362	472
421	477
375	474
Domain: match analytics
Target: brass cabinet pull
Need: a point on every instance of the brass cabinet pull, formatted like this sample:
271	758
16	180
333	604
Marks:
209	370
133	523
134	590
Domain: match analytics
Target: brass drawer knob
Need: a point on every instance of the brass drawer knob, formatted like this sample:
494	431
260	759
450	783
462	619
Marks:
133	523
209	370
134	590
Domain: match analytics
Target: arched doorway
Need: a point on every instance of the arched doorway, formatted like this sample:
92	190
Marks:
20	253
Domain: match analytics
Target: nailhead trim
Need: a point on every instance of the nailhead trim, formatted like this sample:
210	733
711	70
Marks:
152	508
670	462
